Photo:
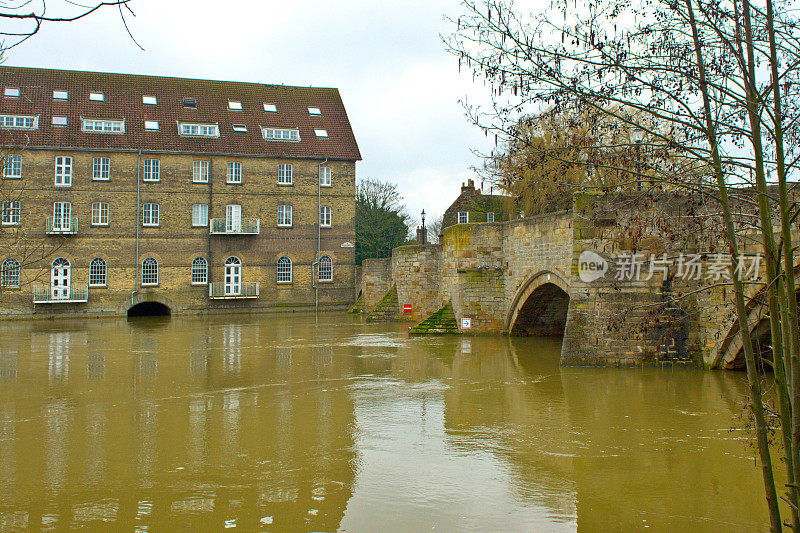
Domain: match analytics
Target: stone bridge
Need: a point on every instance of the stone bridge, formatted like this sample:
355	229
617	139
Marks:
522	278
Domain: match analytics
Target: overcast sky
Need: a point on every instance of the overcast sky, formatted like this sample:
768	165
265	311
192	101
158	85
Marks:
401	89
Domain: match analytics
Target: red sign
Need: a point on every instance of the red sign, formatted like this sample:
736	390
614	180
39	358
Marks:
406	308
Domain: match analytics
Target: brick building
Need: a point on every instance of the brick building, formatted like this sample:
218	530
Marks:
473	206
123	193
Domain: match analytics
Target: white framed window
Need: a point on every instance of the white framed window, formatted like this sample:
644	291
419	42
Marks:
101	169
325	269
151	124
150	214
199	214
19	122
280	134
97	96
62	216
233	105
63	177
314	111
285	171
12	166
321	133
490	217
11	210
284	273
190	103
199	271
91	125
150	271
285	216
199	130
149	100
9	273
98	272
60	95
463	217
99	214
240	128
233	218
200	171
234	174
59	121
325	176
152	170
270	108
325	216
11	92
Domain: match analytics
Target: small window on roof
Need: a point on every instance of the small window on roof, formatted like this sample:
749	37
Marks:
321	133
12	92
59	121
149	100
60	95
314	111
190	103
97	97
240	127
234	105
270	108
151	124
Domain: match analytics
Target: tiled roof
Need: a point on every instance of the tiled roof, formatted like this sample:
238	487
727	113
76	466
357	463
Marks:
123	99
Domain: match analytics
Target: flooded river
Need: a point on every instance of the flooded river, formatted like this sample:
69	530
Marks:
296	423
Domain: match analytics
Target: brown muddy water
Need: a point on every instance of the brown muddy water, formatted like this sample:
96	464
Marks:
302	424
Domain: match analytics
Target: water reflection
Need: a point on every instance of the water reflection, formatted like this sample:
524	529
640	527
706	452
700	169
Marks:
295	424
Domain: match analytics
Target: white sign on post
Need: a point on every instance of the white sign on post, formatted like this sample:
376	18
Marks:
466	323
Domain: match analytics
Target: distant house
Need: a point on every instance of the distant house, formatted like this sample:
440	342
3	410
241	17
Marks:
472	206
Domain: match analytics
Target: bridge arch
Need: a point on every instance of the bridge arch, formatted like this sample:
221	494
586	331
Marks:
148	304
540	306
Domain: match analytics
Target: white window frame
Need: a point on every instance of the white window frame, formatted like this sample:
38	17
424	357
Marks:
327	270
150	214
19	122
11	92
97	96
285	216
60	95
63	171
270	108
151	170
98	278
285	174
321	133
101	169
234	172
199	271
490	216
96	125
62	216
314	111
151	125
325	179
12	162
280	134
58	120
199	215
234	105
10	273
99	214
149	100
151	273
325	216
463	215
284	274
189	129
200	171
11	212
242	128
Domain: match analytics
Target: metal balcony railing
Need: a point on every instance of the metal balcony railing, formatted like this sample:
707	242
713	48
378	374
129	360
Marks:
44	294
217	291
60	228
222	226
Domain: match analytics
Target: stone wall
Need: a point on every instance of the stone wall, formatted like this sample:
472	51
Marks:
416	271
376	280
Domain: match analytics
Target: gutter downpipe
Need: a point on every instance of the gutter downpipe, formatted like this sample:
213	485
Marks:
319	236
138	204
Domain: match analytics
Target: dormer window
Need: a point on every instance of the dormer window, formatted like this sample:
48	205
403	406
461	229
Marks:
11	92
199	130
314	111
240	127
103	126
149	100
151	124
270	108
97	97
19	122
60	95
190	103
280	134
321	133
234	105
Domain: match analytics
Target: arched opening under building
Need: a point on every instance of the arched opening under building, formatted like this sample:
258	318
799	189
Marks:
544	312
149	309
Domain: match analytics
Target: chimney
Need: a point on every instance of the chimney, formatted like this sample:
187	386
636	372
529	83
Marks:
469	187
422	235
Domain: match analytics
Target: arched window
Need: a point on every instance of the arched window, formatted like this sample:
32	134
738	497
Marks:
325	269
233	261
149	271
199	271
284	270
61	262
97	273
9	273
